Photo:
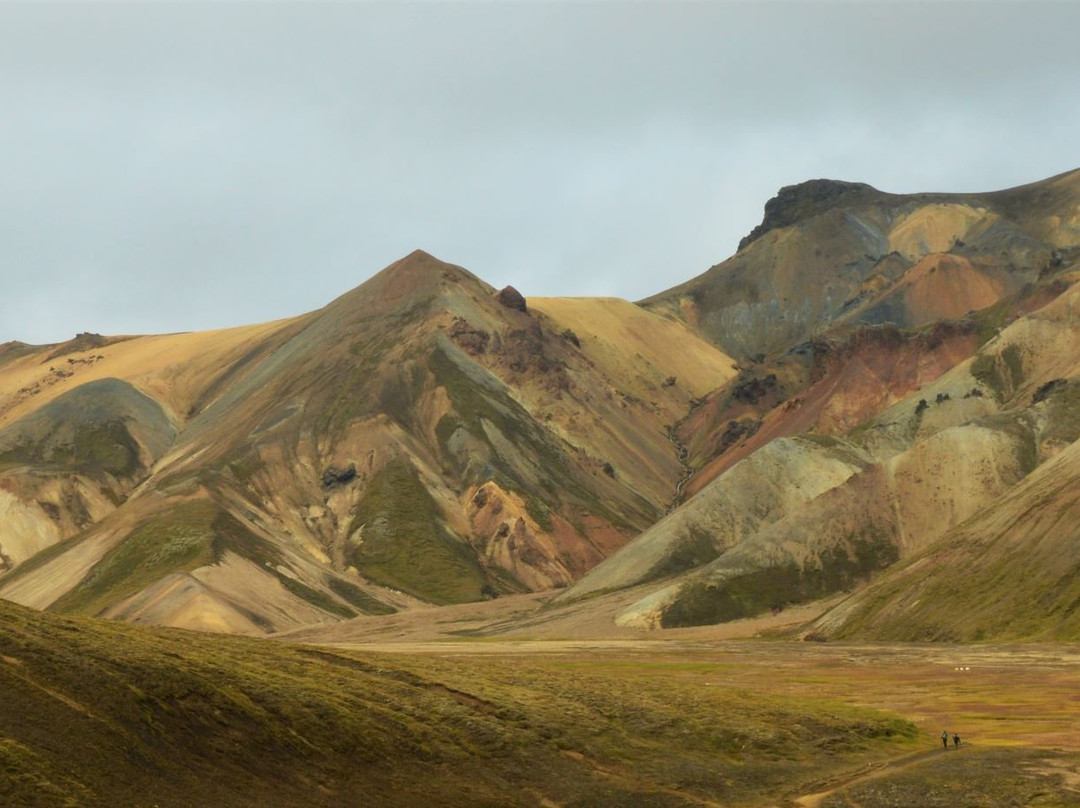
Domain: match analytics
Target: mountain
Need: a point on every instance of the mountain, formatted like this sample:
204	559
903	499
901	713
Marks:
420	439
1011	567
835	460
829	252
904	369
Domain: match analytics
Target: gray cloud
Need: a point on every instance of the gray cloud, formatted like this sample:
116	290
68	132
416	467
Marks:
182	166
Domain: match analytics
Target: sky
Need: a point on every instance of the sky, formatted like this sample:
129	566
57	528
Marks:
183	166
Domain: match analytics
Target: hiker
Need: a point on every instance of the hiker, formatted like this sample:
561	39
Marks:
945	738
956	740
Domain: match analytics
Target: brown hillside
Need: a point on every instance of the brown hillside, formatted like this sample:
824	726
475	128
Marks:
904	364
828	251
934	459
414	440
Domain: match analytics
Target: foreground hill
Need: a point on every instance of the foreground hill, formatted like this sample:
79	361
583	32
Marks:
418	439
98	713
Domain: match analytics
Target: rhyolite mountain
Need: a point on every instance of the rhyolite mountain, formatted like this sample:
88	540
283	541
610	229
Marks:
855	442
866	379
421	439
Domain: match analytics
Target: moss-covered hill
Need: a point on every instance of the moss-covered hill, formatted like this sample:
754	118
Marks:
99	714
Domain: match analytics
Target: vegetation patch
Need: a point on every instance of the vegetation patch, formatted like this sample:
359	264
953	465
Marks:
1062	403
188	536
991	320
540	513
405	545
316	598
89	430
1003	373
245	466
694	551
979	778
358	597
99	713
89	448
178	540
27	779
703	602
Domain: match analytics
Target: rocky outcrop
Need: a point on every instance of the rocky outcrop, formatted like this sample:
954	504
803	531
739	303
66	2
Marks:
811	198
511	298
334	476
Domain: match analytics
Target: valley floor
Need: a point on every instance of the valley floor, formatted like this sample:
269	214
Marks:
455	707
1016	707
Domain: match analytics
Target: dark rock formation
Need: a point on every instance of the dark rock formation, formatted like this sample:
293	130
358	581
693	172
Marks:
512	299
1048	389
473	340
335	476
751	390
736	431
810	198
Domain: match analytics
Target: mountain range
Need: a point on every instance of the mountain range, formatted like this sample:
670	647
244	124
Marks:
875	397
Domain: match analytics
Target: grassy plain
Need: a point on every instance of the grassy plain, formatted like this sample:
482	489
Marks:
1016	707
99	713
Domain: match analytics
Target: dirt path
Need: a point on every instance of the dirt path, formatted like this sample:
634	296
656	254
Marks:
869	772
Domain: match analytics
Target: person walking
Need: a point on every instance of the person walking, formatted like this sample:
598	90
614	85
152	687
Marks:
945	738
956	740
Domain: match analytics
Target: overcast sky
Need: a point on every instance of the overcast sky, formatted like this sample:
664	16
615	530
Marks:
169	167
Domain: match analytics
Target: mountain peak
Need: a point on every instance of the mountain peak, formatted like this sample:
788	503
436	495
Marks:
810	198
414	277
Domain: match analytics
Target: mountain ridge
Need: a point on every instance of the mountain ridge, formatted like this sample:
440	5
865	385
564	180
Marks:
902	363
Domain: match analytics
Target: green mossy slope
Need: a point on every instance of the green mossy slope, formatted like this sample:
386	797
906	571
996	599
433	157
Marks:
404	545
97	713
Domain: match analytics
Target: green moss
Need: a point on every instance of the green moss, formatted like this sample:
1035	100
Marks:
230	534
176	718
991	320
541	514
314	596
1062	405
1014	363
405	545
358	597
698	549
977	776
27	779
179	540
186	537
986	371
92	449
109	448
246	466
1003	373
702	602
